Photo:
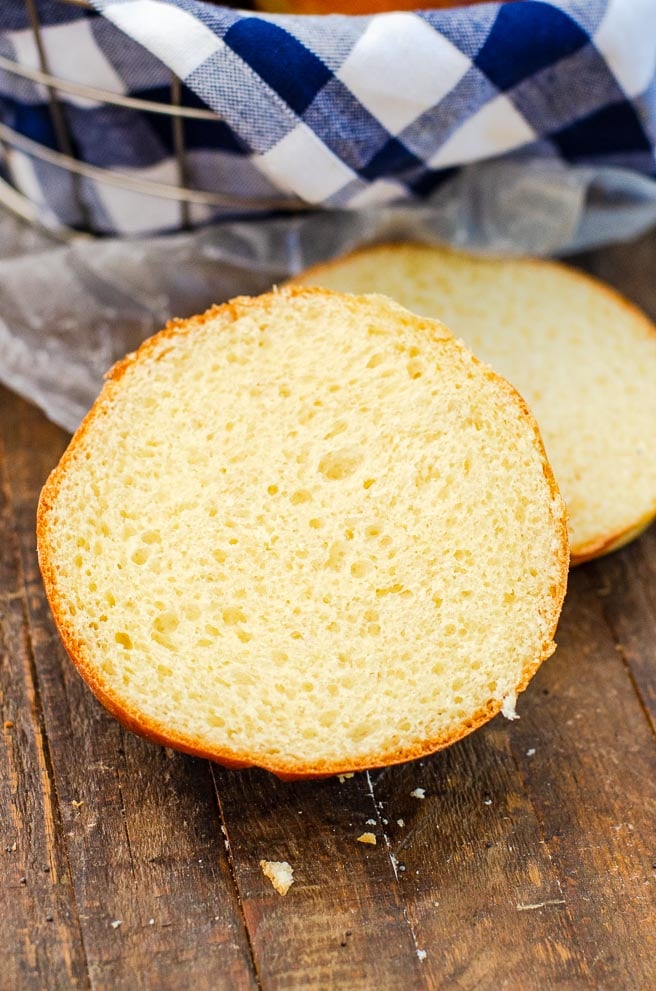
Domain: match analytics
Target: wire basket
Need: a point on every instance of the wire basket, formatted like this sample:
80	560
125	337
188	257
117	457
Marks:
183	193
272	115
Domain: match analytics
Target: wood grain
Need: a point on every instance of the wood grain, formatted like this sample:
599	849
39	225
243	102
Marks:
37	901
472	860
626	587
342	924
592	782
530	862
517	869
141	827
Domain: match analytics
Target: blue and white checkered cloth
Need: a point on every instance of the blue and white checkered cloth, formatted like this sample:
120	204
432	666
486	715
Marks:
332	112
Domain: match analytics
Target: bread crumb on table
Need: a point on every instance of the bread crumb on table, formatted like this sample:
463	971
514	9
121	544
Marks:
280	873
367	838
536	905
418	793
422	954
508	707
342	777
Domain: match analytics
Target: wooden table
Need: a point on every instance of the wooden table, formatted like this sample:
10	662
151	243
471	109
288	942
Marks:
530	864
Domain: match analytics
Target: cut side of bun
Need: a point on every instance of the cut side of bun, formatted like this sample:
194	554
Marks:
583	358
308	532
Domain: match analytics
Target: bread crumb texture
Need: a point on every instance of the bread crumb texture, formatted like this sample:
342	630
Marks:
583	358
508	707
305	531
279	873
369	838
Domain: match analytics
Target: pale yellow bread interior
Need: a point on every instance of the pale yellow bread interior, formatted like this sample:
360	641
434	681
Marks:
583	358
305	531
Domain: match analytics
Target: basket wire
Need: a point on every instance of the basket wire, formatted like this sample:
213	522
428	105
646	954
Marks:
64	157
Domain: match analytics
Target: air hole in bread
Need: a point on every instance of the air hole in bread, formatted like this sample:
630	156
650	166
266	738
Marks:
284	593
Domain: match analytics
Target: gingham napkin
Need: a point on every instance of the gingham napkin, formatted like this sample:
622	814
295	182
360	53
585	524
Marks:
337	112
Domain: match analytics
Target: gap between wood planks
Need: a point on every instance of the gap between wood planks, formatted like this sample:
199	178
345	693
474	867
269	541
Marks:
373	788
259	817
631	560
50	800
621	650
233	876
394	864
96	872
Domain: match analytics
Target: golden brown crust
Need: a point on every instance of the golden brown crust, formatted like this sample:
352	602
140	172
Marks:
604	543
151	730
647	325
642	320
158	733
612	542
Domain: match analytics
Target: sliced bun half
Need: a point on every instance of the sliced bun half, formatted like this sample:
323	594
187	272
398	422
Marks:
308	532
583	358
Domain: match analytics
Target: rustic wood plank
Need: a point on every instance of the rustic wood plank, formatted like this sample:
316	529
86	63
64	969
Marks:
592	781
572	834
534	844
141	827
37	900
472	861
626	586
342	924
